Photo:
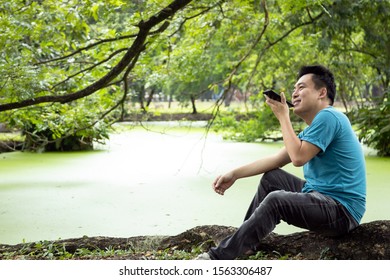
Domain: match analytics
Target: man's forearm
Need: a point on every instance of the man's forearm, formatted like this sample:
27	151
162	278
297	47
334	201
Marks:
262	165
292	143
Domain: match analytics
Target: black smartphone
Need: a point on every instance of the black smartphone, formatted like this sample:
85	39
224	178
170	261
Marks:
275	96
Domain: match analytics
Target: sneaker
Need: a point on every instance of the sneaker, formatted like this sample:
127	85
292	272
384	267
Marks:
203	257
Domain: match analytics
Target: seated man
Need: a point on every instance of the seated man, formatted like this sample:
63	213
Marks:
332	198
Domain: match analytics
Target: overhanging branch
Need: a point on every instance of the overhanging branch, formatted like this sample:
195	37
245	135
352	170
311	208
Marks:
130	57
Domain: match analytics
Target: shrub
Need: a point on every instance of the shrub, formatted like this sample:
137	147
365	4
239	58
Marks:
373	126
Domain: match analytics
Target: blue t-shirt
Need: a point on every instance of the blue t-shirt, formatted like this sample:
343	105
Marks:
338	170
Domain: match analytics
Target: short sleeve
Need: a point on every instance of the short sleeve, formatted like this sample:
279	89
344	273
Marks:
322	130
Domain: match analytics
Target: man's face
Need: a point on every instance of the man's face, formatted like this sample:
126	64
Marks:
305	96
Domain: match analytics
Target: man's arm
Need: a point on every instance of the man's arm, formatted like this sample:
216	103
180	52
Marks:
263	165
223	182
299	151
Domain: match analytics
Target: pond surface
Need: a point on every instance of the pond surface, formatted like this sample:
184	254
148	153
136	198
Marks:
142	182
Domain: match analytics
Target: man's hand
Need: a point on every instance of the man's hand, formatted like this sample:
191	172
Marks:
280	109
222	183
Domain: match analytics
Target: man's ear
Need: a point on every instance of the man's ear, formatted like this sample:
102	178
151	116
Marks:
323	93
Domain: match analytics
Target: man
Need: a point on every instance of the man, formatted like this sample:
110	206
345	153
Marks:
331	200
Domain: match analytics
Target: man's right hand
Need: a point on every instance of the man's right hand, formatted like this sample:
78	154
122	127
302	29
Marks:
223	182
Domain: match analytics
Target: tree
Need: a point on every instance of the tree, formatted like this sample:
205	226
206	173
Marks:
123	66
62	65
94	62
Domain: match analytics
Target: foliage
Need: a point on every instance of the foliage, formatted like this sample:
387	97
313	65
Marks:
35	32
60	127
249	127
255	126
59	48
374	126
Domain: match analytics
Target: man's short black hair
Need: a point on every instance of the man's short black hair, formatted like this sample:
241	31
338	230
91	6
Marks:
322	77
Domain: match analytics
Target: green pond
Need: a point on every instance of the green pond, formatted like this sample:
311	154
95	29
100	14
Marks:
142	182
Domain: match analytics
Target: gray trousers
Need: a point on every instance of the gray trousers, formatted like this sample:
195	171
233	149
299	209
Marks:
279	197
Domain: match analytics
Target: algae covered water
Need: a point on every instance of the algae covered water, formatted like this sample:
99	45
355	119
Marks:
142	182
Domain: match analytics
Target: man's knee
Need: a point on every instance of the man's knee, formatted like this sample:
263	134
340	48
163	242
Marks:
274	176
275	198
268	213
269	180
271	174
279	203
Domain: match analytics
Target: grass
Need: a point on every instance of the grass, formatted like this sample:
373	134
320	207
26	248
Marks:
48	250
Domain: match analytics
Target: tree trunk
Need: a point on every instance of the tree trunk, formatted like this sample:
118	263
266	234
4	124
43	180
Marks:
141	100
194	111
150	98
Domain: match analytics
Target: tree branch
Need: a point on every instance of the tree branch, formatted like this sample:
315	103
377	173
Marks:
102	41
89	68
259	37
203	11
271	44
130	57
219	102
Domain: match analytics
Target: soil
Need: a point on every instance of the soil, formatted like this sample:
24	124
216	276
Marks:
131	248
370	241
